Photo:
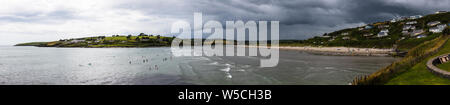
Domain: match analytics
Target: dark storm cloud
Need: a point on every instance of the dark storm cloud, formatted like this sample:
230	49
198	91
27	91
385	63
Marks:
299	19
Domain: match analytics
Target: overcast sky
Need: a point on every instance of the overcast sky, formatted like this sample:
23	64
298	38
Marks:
47	20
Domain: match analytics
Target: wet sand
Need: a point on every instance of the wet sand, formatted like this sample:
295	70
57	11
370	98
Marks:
345	51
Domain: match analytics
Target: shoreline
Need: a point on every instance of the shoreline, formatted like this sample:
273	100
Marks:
334	51
341	51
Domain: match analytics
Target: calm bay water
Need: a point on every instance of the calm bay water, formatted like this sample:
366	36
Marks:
157	66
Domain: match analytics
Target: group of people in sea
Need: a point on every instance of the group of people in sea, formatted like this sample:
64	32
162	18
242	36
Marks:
155	67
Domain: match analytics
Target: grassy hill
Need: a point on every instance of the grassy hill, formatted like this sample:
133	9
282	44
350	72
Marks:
367	36
420	75
103	41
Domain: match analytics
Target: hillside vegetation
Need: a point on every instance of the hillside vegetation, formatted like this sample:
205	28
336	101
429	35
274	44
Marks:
367	36
141	40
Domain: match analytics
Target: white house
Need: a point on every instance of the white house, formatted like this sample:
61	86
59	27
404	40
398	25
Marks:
393	20
367	34
145	39
326	36
411	22
382	34
77	41
346	38
345	33
417	32
407	27
360	28
332	39
368	27
415	17
438	28
420	36
438	12
383	26
405	32
433	23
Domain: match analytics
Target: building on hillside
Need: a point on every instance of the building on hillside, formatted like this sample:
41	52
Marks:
145	39
393	20
407	27
438	12
411	22
368	27
325	36
421	36
344	34
417	32
415	17
398	19
367	34
332	39
405	32
346	38
77	41
438	28
383	26
433	23
361	28
382	34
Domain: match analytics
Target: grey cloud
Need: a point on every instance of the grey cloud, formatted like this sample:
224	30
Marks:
299	19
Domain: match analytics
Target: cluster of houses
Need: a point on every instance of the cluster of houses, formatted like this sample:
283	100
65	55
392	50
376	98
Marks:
405	18
346	37
412	17
383	33
410	29
100	39
436	26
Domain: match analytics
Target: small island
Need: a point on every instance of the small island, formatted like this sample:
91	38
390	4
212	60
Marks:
141	40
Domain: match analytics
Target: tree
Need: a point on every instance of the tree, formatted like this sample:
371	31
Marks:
143	34
138	39
158	36
102	37
129	37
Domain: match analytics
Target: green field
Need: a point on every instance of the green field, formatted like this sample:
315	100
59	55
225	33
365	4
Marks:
103	41
420	75
445	66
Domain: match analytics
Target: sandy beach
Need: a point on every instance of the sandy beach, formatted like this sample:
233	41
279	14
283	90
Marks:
341	50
